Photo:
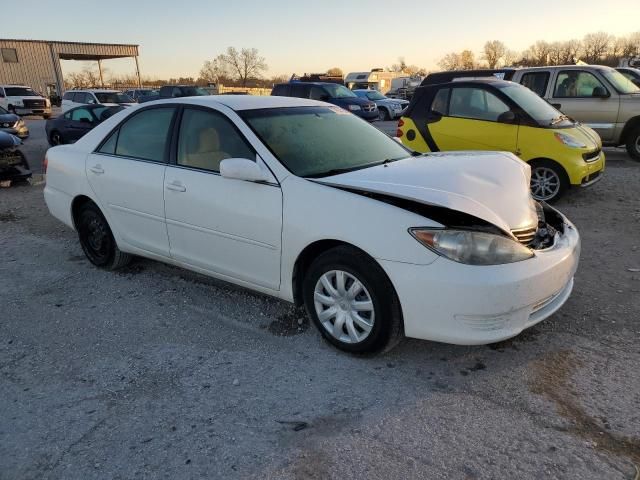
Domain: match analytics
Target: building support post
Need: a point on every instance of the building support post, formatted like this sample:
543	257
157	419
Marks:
100	70
138	72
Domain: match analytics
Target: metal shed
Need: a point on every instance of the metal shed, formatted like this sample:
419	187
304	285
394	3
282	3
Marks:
36	63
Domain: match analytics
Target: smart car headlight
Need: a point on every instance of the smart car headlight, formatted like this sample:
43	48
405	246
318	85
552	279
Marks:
472	248
569	141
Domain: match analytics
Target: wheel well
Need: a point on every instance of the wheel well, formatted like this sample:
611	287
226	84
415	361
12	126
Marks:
628	128
77	204
304	260
562	169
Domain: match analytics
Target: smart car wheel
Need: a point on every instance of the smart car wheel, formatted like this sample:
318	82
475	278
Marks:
633	144
352	301
55	138
548	180
97	240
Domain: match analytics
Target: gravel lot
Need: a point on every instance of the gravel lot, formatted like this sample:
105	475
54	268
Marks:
156	372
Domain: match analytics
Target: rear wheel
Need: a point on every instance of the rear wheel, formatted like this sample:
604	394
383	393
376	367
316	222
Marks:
633	143
549	181
97	240
352	301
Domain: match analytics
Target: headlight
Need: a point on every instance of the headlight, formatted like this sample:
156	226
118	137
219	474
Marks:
569	141
472	248
353	108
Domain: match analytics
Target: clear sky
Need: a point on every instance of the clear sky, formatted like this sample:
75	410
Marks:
177	36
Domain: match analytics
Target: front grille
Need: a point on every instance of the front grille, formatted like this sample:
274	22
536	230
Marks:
369	107
591	156
33	103
525	235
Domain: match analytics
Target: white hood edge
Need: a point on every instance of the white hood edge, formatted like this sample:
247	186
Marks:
492	186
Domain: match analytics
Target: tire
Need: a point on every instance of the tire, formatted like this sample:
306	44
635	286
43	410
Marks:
549	181
633	143
46	116
97	241
383	114
55	138
378	325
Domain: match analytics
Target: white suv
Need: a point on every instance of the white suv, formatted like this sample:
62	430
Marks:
76	98
23	100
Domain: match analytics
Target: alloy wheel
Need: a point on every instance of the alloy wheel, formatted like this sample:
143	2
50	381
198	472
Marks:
344	306
545	183
56	138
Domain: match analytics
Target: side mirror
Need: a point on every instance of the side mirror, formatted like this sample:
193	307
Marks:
507	117
600	92
243	169
86	120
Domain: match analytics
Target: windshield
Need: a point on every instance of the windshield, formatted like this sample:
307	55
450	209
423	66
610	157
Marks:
621	83
543	113
375	96
339	91
113	97
20	92
321	141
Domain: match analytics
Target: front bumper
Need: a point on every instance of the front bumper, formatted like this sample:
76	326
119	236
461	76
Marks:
20	132
474	305
587	173
33	111
367	115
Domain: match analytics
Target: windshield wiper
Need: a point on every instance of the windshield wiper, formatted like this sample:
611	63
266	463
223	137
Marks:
337	171
559	119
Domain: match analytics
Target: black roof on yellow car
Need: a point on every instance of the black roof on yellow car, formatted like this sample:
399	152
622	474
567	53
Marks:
451	75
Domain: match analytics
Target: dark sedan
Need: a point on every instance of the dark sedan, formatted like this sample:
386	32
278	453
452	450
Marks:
13	164
76	122
13	124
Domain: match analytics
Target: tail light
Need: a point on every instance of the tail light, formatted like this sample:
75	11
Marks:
399	132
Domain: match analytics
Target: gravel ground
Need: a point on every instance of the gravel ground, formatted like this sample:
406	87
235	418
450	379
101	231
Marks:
156	372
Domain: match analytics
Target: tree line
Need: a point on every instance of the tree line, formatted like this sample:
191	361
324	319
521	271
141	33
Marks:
594	48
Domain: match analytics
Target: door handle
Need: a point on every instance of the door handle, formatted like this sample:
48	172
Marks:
97	169
176	187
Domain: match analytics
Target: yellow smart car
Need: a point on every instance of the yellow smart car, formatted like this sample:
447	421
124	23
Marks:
493	114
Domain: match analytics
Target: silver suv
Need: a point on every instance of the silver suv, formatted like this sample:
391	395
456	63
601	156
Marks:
597	96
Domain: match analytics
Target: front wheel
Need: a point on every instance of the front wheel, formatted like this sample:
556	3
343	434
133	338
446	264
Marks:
383	114
548	180
97	240
55	138
633	143
352	301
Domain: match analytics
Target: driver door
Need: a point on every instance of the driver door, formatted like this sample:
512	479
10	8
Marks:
471	118
230	227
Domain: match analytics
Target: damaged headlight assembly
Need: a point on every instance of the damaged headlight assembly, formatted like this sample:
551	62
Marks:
472	248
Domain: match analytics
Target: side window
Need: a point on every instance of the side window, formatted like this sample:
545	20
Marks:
79	97
207	138
299	90
2	92
476	103
90	98
68	96
440	103
67	116
576	84
536	81
81	114
317	93
281	90
145	134
109	146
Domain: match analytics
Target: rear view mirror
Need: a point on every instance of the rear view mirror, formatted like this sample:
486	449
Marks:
243	169
600	92
507	117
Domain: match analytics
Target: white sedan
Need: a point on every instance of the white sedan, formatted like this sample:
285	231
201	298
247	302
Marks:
303	201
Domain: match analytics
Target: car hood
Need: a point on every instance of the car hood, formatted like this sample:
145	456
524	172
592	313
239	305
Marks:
8	141
492	186
351	101
9	118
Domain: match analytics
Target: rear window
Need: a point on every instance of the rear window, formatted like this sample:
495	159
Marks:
68	96
536	82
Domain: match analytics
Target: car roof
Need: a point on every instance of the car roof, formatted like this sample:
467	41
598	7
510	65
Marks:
94	90
244	102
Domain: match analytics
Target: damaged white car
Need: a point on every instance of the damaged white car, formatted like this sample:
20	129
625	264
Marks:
306	202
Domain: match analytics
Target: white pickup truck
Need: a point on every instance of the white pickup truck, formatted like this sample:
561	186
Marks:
23	100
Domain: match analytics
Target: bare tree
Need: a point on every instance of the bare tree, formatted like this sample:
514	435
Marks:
400	66
335	72
467	60
511	57
279	79
244	64
595	46
494	51
451	61
214	71
571	51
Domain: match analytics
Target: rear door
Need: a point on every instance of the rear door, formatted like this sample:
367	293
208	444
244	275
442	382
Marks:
573	95
470	118
80	121
230	227
127	175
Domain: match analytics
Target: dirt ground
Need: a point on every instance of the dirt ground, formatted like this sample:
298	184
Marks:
155	372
